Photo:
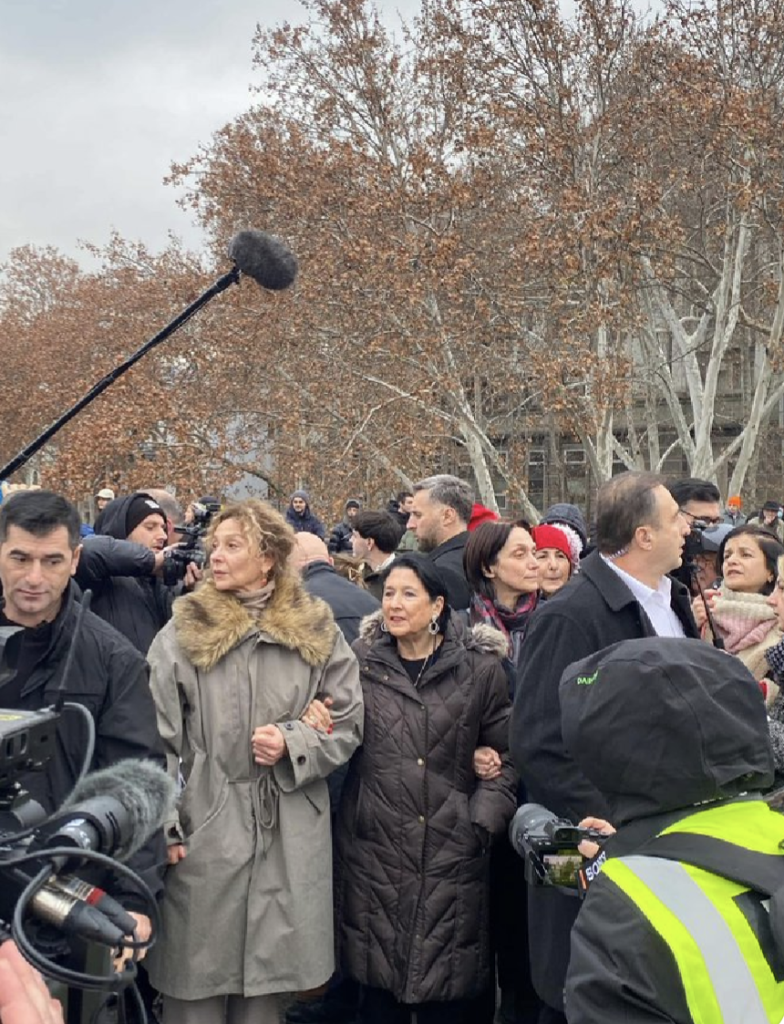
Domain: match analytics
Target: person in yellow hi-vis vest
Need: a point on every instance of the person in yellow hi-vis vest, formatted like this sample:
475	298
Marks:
684	915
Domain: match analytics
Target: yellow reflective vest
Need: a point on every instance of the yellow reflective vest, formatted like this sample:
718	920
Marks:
701	916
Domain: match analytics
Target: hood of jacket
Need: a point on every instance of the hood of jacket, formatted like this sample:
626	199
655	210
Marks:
660	724
209	623
481	637
113	521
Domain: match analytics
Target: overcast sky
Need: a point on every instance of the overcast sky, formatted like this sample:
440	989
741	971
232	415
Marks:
98	97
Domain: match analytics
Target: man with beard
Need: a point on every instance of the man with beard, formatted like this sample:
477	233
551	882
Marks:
442	507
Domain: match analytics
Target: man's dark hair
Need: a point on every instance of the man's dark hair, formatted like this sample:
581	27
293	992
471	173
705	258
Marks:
481	554
450	491
379	527
693	489
429	576
625	503
39	513
401	496
769	545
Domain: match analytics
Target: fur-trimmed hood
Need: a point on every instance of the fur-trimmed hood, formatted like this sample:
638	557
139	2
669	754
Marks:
481	637
209	623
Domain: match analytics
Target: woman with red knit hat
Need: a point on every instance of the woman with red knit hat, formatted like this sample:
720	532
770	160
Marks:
558	554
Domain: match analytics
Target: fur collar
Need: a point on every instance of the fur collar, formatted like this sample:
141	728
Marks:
481	637
209	623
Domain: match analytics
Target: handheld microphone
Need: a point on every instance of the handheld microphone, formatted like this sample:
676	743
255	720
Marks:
264	258
113	811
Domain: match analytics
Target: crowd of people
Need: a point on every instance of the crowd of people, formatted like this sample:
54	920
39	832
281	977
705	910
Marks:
354	716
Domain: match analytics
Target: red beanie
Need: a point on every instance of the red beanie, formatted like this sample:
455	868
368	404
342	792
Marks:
547	536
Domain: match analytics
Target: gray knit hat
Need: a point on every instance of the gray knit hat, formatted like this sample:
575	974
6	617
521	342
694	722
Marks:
571	516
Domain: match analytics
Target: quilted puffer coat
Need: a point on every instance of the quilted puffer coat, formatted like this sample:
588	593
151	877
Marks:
415	823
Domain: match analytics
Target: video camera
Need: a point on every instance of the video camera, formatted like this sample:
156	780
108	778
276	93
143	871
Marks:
51	914
191	549
549	847
705	538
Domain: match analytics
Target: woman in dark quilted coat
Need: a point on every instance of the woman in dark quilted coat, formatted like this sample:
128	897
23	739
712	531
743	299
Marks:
415	823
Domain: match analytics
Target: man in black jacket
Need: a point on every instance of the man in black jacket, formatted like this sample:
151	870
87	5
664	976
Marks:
122	576
441	510
622	592
349	603
39	553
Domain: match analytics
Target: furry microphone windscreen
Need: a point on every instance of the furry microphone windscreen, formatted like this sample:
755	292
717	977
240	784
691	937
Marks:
264	258
144	791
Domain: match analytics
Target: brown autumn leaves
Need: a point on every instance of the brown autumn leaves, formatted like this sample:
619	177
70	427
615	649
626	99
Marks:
507	223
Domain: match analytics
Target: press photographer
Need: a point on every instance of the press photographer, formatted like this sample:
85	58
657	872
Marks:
130	568
44	657
685	920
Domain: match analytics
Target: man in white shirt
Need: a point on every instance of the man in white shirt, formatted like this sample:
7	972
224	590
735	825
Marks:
622	592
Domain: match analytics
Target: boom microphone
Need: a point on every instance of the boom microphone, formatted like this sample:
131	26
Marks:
264	258
113	811
256	254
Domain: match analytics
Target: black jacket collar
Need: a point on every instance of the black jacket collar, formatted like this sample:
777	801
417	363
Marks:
618	596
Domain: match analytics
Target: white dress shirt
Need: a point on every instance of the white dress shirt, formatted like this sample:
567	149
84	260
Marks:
655	603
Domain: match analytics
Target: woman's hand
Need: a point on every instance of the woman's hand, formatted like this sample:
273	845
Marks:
143	933
586	847
174	854
317	715
698	607
268	744
487	763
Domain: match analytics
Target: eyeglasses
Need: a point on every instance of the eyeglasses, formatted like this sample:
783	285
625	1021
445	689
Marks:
708	520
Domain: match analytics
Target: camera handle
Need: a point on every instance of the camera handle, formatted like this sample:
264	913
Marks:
691	567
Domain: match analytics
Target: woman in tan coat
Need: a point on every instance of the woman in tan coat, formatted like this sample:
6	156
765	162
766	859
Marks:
247	906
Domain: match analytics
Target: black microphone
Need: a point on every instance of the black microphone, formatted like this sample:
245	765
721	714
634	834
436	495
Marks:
264	258
113	811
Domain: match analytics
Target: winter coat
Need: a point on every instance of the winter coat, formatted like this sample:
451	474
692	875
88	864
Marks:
776	527
109	677
686	727
594	609
119	573
248	911
449	559
415	822
305	522
348	602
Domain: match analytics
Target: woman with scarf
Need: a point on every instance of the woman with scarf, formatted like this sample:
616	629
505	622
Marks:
739	607
503	573
241	675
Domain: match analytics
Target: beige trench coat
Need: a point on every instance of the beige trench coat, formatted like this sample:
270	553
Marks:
249	909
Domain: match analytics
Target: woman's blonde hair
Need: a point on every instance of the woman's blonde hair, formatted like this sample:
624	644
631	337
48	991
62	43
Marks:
263	528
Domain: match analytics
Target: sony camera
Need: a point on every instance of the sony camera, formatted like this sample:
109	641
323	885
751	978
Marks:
549	847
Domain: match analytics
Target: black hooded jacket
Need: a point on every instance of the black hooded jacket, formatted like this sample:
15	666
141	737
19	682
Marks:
108	677
119	573
663	728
